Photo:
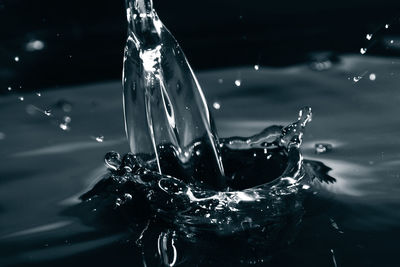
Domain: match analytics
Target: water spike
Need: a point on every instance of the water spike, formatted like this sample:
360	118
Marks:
165	109
292	134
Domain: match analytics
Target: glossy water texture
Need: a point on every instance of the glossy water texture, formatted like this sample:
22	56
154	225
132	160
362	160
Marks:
163	102
350	221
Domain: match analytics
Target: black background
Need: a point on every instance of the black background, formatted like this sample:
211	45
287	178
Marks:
84	40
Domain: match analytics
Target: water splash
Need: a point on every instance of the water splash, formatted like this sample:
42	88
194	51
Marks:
164	105
260	190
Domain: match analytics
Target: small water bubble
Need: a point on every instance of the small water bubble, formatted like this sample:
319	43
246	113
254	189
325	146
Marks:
39	94
391	41
363	50
369	36
16	59
217	105
256	67
372	76
67	119
9	88
21	98
321	148
112	160
387	26
67	107
238	82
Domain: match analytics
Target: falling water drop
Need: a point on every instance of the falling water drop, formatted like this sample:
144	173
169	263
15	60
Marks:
21	98
363	51
372	76
9	88
357	78
256	67
216	105
369	36
387	26
238	82
16	59
38	94
47	112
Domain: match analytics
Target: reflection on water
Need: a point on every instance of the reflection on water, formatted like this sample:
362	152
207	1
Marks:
44	170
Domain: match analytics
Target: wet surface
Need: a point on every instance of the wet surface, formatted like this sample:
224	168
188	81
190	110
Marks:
351	222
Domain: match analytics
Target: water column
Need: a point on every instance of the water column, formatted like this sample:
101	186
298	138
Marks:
166	114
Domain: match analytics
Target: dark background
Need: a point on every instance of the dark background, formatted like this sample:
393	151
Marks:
83	40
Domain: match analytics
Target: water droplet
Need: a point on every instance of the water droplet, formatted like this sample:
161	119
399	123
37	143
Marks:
127	196
67	119
217	105
38	94
357	78
21	98
112	160
391	41
369	36
238	82
16	59
100	139
34	45
372	76
47	112
321	148
9	88
64	126
363	51
256	67
387	26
